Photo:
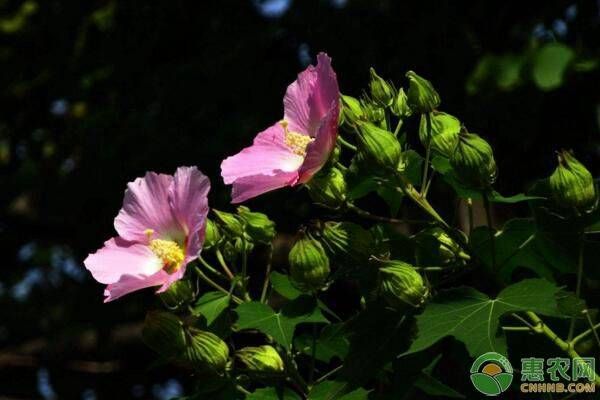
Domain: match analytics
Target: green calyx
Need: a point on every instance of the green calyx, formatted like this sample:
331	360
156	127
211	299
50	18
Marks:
422	97
401	284
258	226
352	110
178	294
437	247
382	92
379	145
309	264
231	223
212	235
473	161
262	359
347	240
572	185
441	132
400	107
328	188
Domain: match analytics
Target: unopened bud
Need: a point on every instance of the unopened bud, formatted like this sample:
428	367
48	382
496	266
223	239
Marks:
352	110
212	235
381	91
260	228
163	332
231	223
328	188
372	112
400	107
206	351
473	161
437	247
401	284
261	359
178	294
379	145
441	133
572	185
347	240
422	97
309	264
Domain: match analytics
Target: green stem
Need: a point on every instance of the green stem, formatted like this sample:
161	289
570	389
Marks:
211	268
579	281
265	288
470	212
347	144
341	166
223	264
586	333
215	285
541	328
488	215
368	215
242	389
427	154
398	126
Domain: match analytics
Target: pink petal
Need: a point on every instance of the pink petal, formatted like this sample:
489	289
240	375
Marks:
309	98
118	258
130	283
318	152
252	186
146	206
189	204
264	157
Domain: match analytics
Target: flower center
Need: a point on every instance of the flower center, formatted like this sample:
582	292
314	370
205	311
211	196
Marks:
297	142
169	252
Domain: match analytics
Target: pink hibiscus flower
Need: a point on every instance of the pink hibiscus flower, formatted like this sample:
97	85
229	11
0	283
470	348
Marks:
292	150
161	229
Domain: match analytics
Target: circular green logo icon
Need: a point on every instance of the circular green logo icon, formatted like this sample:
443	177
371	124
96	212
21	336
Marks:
491	374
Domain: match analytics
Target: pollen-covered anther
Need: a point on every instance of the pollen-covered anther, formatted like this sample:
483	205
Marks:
297	142
169	252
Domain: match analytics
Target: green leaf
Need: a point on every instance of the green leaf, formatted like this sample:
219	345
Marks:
432	386
330	343
472	318
550	64
272	393
282	285
521	243
279	325
331	390
211	305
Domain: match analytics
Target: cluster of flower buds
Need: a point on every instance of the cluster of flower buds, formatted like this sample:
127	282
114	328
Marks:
401	284
309	264
572	185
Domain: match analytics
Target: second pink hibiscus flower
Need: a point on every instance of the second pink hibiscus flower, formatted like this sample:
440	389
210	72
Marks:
292	150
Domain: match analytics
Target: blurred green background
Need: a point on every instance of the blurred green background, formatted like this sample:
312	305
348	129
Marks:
95	93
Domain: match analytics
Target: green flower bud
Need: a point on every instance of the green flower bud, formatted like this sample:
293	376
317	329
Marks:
212	235
309	264
401	284
206	351
422	97
347	240
328	188
572	185
437	247
352	110
444	132
242	245
372	112
400	106
231	223
379	145
163	332
381	91
262	359
178	294
473	161
260	228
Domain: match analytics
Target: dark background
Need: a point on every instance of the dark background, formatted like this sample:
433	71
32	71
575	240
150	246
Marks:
95	93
